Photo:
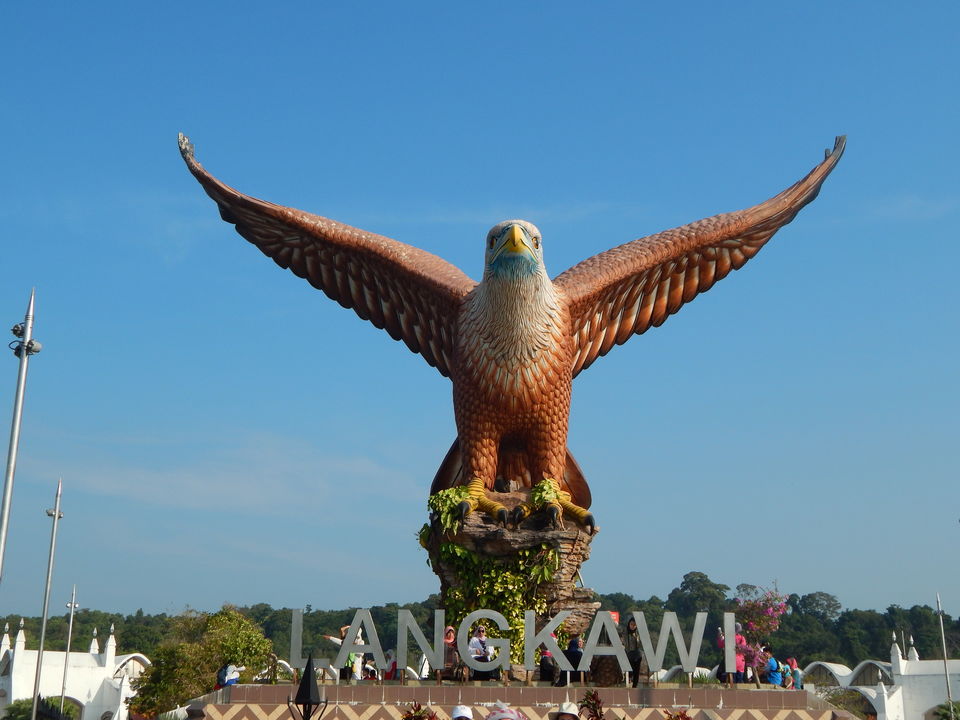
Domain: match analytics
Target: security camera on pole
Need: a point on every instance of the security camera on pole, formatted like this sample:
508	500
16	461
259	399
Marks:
23	347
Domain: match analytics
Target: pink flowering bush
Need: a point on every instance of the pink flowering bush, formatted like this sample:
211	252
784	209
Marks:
760	615
753	655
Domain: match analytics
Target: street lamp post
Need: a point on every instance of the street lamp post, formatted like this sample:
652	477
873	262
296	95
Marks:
308	699
56	515
23	347
946	669
66	661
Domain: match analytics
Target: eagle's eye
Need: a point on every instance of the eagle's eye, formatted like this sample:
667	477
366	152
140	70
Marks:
536	242
490	244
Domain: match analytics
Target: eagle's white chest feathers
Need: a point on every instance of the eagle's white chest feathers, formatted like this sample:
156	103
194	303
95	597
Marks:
512	338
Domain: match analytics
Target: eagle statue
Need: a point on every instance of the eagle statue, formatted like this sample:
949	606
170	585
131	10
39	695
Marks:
512	343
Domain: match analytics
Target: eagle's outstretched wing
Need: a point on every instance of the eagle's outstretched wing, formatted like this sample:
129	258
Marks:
626	290
412	294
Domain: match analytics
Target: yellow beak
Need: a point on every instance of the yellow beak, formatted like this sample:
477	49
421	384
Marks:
514	240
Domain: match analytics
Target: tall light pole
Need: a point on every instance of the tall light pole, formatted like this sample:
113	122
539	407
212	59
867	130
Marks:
66	661
946	669
23	347
56	515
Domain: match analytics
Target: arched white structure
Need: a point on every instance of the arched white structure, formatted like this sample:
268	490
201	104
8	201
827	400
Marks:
131	666
98	682
906	688
870	673
827	673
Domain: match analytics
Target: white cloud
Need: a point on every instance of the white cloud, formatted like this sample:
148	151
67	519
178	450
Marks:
915	207
486	217
168	225
257	474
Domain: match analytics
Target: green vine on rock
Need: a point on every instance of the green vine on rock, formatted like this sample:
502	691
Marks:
445	505
544	493
423	537
507	585
543	565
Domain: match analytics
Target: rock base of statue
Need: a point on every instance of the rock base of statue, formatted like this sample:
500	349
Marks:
480	534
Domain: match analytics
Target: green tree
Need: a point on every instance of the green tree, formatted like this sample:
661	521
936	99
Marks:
943	711
134	633
807	638
186	667
697	593
619	602
142	633
21	709
849	700
863	634
925	628
821	605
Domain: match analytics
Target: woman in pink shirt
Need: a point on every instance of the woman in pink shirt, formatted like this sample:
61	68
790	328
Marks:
741	661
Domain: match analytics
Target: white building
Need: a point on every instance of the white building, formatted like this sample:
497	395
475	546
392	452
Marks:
98	683
906	688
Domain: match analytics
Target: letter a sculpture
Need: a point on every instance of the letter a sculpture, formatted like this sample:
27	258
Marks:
512	343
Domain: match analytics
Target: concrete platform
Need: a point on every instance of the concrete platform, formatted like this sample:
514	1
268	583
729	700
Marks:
389	701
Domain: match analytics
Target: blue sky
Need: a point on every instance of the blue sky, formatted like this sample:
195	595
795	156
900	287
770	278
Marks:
227	434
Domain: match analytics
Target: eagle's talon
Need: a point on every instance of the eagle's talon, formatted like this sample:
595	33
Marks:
589	524
520	513
554	516
464	508
477	500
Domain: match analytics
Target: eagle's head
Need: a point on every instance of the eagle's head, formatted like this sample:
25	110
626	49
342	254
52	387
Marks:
514	250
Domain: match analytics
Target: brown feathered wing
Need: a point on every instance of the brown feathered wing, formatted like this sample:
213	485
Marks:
626	290
412	294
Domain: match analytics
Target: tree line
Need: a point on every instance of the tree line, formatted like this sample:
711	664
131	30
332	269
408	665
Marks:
815	627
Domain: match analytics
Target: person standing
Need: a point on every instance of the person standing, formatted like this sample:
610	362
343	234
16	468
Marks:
353	668
795	673
390	671
774	676
573	654
548	666
740	642
480	650
631	643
